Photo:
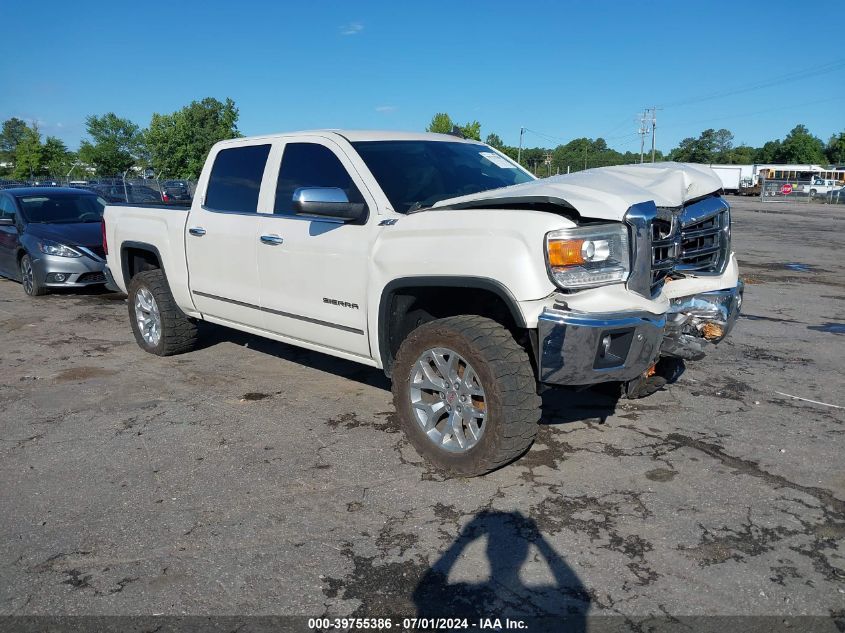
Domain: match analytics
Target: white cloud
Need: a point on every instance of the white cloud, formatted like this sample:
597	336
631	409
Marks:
386	109
353	28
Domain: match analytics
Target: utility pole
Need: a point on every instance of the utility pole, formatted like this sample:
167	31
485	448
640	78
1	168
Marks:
519	153
585	156
653	129
641	132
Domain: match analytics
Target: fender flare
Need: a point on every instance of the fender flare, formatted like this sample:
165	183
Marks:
142	246
432	281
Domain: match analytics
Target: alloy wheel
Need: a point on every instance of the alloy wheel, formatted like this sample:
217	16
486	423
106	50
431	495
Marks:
27	275
148	317
448	400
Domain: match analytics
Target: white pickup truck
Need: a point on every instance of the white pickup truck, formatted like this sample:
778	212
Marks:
818	187
443	262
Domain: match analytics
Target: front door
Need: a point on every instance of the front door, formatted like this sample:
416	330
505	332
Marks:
8	239
313	272
221	237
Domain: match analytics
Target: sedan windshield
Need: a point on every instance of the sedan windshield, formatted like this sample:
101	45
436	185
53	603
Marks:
62	209
417	174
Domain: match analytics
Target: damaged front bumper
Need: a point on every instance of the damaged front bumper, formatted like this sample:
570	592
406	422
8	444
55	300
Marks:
696	322
577	348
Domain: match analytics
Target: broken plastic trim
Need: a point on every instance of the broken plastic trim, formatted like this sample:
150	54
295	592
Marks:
695	322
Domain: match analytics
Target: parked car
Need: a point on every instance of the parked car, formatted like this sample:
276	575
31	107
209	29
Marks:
445	263
51	238
120	192
836	196
175	191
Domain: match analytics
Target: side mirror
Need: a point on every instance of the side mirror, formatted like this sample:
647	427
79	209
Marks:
327	202
7	221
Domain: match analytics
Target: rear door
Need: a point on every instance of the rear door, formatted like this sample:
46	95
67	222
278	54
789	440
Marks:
221	236
313	271
8	238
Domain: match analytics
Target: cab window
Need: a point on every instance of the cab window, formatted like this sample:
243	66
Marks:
310	165
235	180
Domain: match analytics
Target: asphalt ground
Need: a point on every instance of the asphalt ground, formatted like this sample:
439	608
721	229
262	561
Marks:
252	477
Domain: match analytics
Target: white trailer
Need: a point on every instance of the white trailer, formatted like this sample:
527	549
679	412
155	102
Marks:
730	175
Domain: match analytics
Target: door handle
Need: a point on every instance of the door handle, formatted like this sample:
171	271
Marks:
273	240
196	230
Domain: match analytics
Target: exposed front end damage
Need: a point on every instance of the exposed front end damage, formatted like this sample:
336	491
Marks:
696	322
683	293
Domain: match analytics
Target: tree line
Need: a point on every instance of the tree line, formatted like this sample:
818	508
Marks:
577	154
175	145
712	146
799	146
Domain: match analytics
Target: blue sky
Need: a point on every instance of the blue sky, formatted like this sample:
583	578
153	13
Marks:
563	69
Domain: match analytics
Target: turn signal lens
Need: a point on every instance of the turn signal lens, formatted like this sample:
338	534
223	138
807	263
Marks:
588	256
566	252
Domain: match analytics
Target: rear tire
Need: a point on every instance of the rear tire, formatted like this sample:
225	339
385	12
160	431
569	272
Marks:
31	285
497	395
158	324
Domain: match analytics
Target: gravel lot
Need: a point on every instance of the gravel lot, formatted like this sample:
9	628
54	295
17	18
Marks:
251	477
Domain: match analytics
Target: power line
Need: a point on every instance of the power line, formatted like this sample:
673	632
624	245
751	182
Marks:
767	83
747	114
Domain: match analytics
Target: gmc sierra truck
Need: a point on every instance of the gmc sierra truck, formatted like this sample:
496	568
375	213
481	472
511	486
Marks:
440	260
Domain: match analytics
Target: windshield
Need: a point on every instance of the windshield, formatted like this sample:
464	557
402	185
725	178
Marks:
62	209
416	174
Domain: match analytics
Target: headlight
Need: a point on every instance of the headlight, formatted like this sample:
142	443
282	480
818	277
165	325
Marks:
49	247
589	256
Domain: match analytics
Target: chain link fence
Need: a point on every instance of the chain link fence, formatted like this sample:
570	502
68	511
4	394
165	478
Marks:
119	189
783	191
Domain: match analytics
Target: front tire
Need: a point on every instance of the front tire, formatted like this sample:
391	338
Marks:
31	285
158	324
465	394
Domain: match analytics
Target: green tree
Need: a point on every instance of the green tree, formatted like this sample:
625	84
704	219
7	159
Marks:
723	142
471	130
178	143
12	134
116	144
768	153
742	155
800	146
56	160
698	150
494	140
28	154
441	123
835	149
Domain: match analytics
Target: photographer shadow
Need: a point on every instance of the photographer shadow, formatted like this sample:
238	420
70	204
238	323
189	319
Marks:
510	538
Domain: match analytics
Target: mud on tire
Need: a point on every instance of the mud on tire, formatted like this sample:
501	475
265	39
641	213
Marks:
504	371
178	332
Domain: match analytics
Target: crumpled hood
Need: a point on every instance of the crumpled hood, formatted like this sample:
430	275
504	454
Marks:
604	193
74	234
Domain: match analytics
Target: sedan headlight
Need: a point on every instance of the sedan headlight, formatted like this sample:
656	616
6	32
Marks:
589	256
49	247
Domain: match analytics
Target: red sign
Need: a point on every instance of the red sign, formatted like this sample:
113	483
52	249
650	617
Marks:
786	189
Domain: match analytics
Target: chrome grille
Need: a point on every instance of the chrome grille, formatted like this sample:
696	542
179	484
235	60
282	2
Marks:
704	243
662	252
692	239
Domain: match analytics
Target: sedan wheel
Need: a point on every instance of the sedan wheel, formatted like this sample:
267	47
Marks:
28	279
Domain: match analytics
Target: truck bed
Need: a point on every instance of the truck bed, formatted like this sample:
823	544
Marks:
159	226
